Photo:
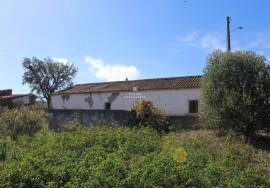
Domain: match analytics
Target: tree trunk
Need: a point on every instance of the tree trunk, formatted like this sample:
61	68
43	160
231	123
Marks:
49	102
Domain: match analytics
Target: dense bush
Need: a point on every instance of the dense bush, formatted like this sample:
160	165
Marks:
23	121
123	157
3	150
227	163
236	93
150	116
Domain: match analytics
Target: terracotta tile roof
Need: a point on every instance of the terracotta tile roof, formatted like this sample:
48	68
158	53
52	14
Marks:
146	84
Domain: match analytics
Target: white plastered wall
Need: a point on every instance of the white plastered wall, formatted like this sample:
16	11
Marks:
173	102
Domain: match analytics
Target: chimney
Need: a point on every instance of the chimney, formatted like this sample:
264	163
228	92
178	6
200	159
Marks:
6	92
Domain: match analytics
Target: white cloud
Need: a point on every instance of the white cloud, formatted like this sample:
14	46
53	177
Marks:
61	60
113	72
210	41
261	40
189	38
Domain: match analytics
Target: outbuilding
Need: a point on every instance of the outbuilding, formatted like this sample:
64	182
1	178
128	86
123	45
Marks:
9	100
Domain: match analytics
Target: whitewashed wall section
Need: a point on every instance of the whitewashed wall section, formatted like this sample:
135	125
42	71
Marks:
173	102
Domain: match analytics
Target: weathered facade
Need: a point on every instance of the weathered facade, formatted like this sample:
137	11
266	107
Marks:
173	102
177	96
173	95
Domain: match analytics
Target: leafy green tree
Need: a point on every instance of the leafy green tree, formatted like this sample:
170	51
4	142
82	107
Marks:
236	92
47	76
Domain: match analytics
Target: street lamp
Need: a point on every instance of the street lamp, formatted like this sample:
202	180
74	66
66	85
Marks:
238	28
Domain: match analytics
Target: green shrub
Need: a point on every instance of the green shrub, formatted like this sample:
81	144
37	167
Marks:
24	121
225	162
123	157
150	116
236	92
98	156
3	150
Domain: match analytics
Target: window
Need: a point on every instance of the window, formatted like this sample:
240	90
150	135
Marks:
193	106
135	89
107	106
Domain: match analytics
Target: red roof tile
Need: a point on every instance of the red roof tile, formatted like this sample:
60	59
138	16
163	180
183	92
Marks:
146	84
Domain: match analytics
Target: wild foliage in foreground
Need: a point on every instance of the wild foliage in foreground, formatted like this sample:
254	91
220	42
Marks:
123	157
24	121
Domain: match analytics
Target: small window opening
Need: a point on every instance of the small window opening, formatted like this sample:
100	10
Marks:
107	106
193	106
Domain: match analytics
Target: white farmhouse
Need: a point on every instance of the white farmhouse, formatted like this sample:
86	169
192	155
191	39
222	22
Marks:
177	96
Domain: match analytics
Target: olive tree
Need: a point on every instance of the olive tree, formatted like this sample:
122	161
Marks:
46	76
236	92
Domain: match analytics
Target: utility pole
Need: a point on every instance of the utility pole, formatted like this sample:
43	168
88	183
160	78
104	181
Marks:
229	31
228	34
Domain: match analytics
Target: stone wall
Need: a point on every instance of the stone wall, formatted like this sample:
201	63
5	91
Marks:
58	118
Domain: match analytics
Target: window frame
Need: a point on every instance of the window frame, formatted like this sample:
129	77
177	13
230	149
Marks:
198	106
107	106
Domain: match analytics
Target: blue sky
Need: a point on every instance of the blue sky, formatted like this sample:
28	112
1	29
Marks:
107	40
